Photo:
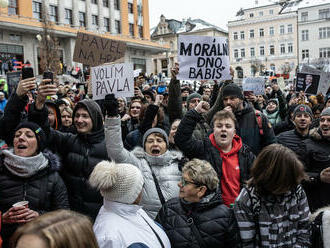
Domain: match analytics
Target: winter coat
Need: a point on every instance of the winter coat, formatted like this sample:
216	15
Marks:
213	220
283	126
315	154
121	225
274	118
164	166
273	221
45	191
291	139
3	104
323	232
80	154
203	149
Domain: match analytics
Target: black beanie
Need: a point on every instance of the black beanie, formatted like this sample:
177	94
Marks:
40	134
232	90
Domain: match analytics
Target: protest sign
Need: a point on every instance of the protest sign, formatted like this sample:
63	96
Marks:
255	84
13	79
115	79
137	72
324	83
308	83
95	50
203	58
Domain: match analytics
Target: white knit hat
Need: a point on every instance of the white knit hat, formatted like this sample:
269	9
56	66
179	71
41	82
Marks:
117	182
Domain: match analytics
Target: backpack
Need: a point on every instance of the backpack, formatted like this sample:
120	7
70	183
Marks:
317	232
259	121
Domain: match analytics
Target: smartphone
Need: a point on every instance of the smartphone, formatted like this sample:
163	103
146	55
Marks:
48	75
27	72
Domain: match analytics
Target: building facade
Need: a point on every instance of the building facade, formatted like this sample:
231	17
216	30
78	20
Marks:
263	38
125	20
167	32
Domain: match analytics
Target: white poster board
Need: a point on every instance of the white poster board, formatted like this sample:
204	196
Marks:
203	58
115	79
324	82
255	84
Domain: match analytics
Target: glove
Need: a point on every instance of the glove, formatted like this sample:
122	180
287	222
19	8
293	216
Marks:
111	105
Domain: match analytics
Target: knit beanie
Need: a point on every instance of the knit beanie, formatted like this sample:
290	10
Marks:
302	108
192	96
274	100
37	130
232	90
326	112
155	130
117	182
149	93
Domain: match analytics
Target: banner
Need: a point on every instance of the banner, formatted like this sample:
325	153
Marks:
115	79
95	50
254	84
324	83
203	58
308	83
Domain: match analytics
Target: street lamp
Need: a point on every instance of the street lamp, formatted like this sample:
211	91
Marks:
3	3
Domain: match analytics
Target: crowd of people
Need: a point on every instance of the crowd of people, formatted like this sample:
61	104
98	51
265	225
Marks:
173	166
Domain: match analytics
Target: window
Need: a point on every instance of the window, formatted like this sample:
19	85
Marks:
236	53
12	7
106	3
290	48
243	53
261	13
261	32
117	4
131	29
235	36
118	26
68	17
130	8
305	53
95	21
53	13
304	35
262	51
324	13
252	33
140	31
271	31
282	48
304	16
106	24
324	33
36	7
242	35
325	52
290	28
282	29
252	52
271	50
94	1
15	37
271	11
82	19
251	15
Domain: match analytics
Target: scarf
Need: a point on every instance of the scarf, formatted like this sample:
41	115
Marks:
24	166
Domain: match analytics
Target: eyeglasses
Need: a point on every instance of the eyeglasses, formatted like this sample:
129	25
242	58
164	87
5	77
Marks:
186	182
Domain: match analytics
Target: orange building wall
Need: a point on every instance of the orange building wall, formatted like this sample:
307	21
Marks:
25	8
124	17
145	13
135	12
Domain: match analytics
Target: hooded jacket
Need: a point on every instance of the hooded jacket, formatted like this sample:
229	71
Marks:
291	139
45	191
165	167
315	154
325	226
80	154
213	220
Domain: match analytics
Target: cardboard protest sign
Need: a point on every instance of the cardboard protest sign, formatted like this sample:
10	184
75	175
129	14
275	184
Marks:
13	79
115	79
308	83
254	84
95	50
203	58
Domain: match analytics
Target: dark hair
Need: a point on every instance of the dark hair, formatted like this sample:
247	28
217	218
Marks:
224	114
276	170
160	116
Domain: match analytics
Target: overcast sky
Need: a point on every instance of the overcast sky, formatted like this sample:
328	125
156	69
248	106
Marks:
216	12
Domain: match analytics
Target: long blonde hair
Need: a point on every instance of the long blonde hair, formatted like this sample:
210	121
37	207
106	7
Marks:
60	229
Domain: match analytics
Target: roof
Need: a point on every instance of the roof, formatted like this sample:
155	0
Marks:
299	4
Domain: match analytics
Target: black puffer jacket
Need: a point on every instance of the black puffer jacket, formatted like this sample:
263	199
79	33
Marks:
213	220
45	191
315	154
291	139
203	149
80	154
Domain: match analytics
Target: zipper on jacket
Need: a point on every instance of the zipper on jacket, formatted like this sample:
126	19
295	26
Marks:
24	191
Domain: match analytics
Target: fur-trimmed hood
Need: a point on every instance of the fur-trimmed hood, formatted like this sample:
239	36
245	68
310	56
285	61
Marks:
325	224
315	134
54	160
